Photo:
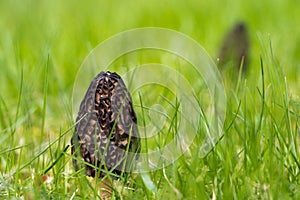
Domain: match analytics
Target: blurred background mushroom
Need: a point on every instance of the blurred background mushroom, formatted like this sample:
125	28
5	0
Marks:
234	51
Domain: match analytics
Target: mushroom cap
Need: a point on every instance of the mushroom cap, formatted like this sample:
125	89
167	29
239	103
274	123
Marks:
106	134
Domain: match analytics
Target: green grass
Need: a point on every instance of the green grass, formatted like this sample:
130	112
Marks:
42	45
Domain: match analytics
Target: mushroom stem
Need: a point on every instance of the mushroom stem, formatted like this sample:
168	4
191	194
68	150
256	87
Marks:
105	189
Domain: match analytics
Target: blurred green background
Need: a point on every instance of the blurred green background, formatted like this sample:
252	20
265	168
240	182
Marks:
68	30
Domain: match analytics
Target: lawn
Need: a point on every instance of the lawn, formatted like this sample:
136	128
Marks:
45	49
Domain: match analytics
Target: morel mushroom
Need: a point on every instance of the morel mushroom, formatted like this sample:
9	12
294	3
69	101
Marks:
106	135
